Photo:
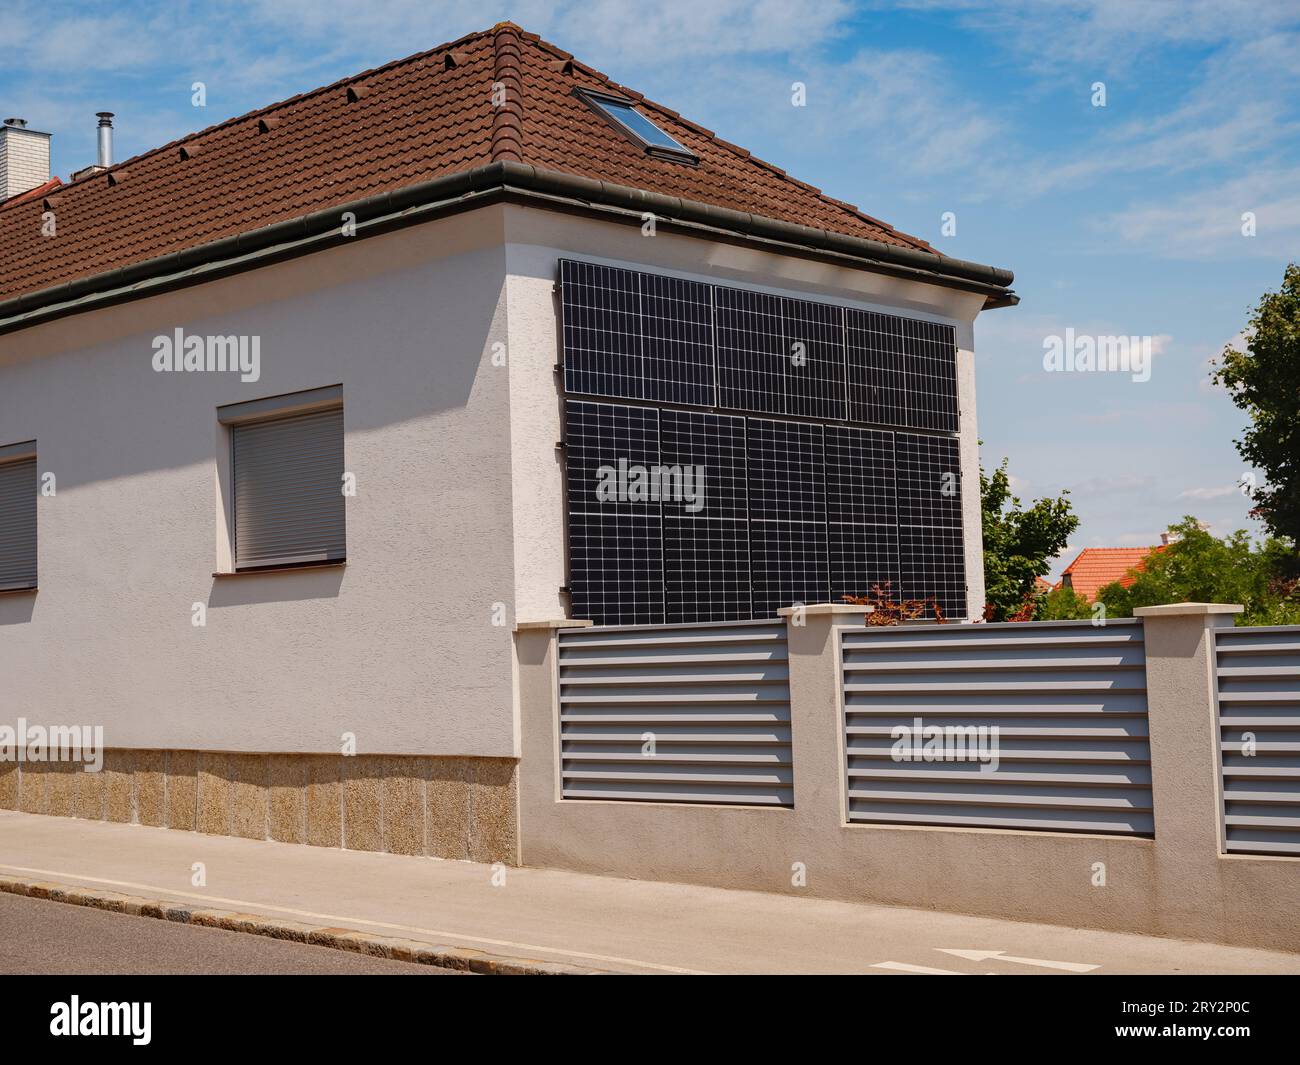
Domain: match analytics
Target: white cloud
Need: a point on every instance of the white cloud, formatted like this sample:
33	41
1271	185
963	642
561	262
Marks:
905	104
1114	484
1217	492
599	31
1057	37
1207	223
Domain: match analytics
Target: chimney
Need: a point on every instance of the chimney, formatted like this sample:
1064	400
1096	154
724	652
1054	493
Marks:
24	157
105	138
105	156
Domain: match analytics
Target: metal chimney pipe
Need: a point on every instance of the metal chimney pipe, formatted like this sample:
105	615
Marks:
105	138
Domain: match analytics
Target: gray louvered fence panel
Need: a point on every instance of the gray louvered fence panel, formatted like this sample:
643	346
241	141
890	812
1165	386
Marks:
1068	699
1258	674
18	489
715	698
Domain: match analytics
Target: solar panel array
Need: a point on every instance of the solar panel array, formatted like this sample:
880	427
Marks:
639	336
783	511
751	515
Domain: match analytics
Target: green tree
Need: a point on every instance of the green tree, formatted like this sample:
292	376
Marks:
1063	604
1019	542
1202	568
1264	381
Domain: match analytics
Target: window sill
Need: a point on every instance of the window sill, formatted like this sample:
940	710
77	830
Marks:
307	567
29	590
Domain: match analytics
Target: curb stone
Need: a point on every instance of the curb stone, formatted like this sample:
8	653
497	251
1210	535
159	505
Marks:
465	959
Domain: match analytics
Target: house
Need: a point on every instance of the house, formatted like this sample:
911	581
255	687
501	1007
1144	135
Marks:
1096	567
303	419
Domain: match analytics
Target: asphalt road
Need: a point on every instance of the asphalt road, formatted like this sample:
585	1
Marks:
41	938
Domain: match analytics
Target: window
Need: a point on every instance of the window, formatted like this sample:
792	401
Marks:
285	500
18	484
632	122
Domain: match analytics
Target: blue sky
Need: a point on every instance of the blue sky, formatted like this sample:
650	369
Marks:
1118	220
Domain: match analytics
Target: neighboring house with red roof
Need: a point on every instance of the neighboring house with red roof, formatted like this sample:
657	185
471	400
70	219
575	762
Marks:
331	391
1096	567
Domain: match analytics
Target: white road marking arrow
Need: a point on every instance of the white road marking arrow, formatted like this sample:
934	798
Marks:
985	955
903	967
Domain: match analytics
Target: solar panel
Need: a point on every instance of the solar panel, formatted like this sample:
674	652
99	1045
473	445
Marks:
860	483
787	505
677	340
601	324
901	371
706	542
615	533
814	373
932	566
930	363
752	357
932	560
877	387
787	475
789	565
862	558
633	335
616	568
862	512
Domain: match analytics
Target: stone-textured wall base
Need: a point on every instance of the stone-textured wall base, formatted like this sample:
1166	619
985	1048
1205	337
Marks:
443	807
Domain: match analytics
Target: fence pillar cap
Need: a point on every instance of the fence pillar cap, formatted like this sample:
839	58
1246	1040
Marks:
824	608
552	623
1187	610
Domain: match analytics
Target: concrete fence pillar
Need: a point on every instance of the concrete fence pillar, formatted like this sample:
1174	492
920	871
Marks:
816	716
1185	778
538	741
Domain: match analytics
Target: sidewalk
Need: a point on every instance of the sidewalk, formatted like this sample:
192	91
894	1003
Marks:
587	922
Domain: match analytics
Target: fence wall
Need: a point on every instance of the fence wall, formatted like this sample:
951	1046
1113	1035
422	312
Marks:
1258	675
1106	810
999	726
696	713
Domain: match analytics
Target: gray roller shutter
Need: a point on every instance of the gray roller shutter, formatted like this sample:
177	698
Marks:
18	524
1068	700
288	481
714	699
1258	672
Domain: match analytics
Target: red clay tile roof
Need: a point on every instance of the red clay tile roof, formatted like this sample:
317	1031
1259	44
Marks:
409	121
40	192
1098	566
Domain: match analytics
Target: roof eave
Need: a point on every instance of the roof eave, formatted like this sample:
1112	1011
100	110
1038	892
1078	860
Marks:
468	189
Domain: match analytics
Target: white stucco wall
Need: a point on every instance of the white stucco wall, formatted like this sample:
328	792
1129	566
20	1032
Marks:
459	503
537	240
397	648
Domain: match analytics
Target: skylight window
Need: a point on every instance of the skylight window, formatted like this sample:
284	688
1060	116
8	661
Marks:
626	118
